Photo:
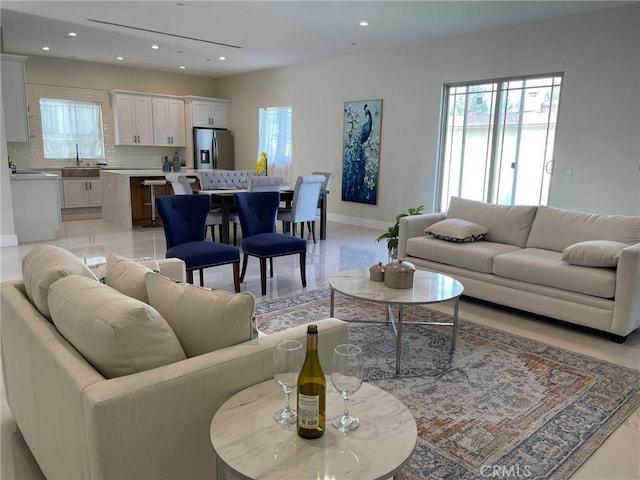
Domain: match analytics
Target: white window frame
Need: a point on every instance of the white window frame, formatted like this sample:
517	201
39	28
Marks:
274	138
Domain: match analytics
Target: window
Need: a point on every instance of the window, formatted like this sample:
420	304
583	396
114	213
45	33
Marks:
275	139
71	127
497	140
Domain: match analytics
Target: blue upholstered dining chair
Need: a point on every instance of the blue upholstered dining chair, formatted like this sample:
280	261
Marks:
257	212
183	218
256	184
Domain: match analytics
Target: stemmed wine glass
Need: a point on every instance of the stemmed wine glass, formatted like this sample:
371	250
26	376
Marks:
287	361
346	375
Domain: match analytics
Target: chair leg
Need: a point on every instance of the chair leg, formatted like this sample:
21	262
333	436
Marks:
202	277
236	276
190	276
301	229
312	227
235	233
213	233
263	275
303	268
244	267
271	266
293	228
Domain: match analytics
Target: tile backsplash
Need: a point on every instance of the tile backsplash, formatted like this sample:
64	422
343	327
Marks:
31	155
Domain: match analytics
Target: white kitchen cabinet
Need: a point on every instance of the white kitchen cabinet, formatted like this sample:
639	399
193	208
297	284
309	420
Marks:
14	98
133	117
82	192
209	112
168	122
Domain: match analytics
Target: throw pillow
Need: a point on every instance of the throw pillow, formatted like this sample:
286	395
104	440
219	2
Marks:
45	265
457	230
117	334
594	253
127	276
204	320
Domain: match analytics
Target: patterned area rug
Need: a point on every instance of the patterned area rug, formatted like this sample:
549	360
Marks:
501	406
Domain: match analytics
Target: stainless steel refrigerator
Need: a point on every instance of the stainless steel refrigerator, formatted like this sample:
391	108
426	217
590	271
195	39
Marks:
212	148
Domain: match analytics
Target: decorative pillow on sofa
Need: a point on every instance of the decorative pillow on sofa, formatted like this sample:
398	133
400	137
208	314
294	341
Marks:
127	276
457	230
117	334
45	265
594	253
204	320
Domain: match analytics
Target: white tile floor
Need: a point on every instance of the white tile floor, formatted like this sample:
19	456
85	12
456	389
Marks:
346	247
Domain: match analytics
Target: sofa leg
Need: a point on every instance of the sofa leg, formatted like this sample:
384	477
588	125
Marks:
617	338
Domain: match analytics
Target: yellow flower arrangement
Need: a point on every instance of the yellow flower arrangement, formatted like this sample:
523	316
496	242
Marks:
262	164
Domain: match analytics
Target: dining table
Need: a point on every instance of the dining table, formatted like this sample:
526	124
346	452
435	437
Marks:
224	199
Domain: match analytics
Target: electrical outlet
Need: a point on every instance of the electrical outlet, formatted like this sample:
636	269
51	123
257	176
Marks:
568	173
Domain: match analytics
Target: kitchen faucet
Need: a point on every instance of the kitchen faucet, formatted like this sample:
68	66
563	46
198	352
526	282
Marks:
77	157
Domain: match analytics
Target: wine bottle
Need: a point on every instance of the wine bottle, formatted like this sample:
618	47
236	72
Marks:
311	391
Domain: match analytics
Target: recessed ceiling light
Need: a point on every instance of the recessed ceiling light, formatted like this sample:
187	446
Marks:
155	47
73	34
222	58
119	58
182	67
364	23
46	49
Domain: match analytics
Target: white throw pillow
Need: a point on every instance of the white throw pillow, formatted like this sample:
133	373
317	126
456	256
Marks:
457	230
127	276
117	334
594	253
204	320
45	265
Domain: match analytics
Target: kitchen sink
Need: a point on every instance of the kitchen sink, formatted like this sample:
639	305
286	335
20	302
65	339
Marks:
80	172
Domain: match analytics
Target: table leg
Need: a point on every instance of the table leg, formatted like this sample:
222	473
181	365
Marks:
323	216
455	324
224	228
332	304
399	340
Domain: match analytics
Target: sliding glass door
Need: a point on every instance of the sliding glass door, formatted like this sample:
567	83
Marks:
497	140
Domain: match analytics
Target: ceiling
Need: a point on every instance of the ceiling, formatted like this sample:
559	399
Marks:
251	35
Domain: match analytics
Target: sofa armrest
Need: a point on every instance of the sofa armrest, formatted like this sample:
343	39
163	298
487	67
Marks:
626	309
413	226
155	424
174	268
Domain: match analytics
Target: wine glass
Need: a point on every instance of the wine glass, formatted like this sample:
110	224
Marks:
287	361
346	375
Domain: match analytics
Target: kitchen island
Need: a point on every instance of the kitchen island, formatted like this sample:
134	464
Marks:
125	201
36	205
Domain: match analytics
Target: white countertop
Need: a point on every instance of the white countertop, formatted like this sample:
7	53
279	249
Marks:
34	176
149	172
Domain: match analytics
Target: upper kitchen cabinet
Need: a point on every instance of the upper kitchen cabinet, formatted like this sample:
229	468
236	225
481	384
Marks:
133	117
168	122
14	98
208	112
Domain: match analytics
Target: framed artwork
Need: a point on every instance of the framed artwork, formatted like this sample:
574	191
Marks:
361	151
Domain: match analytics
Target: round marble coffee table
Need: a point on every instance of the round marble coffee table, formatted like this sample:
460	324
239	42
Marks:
428	287
251	445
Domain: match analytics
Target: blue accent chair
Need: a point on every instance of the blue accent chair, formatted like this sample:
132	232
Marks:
257	213
184	221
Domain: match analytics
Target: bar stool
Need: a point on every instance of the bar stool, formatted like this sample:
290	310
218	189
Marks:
152	184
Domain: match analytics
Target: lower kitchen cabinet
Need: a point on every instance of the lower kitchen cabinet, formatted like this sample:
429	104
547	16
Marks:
82	192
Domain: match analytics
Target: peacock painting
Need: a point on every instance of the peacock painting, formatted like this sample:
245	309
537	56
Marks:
361	151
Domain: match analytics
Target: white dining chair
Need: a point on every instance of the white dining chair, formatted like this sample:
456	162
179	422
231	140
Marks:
182	186
326	186
256	184
304	205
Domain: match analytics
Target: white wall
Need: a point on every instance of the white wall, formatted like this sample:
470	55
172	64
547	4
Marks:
598	128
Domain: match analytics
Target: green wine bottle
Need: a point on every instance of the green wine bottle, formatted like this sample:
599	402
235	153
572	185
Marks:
311	390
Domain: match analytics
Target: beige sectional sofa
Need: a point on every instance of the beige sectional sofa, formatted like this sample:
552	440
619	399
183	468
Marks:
572	266
104	385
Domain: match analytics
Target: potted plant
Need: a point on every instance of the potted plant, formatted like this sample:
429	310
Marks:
391	235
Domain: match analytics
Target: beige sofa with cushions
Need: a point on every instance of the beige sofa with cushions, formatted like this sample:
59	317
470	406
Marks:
576	267
138	402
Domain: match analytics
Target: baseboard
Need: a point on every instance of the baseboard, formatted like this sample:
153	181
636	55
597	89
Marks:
358	221
8	240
